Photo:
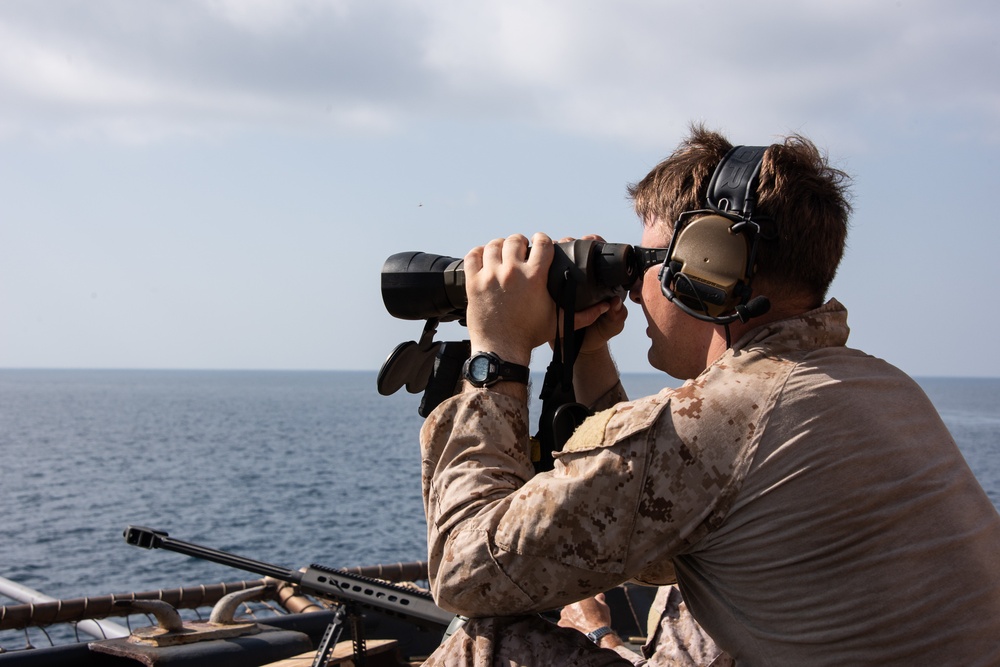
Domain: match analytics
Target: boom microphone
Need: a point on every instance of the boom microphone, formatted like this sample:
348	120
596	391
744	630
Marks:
755	307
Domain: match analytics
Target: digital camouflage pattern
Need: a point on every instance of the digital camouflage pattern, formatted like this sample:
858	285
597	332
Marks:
675	640
515	641
635	485
775	486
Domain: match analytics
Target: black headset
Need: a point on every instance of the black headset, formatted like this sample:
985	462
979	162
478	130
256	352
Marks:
709	263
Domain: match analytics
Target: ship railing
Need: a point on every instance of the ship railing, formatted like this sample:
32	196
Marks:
55	622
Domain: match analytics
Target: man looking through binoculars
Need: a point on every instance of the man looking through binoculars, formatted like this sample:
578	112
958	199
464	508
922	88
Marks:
806	497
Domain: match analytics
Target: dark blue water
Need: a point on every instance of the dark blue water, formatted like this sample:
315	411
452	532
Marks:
286	467
290	468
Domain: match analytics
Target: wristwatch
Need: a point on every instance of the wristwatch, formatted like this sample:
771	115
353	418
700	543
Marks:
596	635
485	368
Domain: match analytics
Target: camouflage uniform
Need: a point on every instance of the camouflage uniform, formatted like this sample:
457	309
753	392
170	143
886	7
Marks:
807	498
675	640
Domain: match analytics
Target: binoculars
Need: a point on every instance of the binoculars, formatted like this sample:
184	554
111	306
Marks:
423	286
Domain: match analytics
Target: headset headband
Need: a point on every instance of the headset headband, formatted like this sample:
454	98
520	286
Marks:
733	188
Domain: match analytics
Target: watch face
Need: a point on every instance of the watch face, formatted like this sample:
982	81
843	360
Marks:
479	368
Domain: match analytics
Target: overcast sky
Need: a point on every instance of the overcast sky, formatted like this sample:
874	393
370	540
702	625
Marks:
216	183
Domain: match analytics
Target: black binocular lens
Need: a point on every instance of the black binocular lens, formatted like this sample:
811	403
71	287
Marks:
421	286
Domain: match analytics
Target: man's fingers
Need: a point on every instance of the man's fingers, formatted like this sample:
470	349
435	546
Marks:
591	314
541	251
515	248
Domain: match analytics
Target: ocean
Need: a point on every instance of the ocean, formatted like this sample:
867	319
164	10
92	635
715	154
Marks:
290	468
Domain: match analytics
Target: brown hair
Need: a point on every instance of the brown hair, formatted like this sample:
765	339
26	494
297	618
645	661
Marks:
806	199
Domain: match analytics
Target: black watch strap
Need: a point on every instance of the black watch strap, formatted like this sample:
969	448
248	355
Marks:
485	368
596	635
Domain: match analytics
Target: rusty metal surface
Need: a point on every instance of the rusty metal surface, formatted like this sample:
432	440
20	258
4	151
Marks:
224	611
166	651
76	609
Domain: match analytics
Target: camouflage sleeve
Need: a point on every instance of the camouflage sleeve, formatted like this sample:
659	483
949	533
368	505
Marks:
676	639
627	493
475	455
630	655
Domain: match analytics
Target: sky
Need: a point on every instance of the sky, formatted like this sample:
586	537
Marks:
216	183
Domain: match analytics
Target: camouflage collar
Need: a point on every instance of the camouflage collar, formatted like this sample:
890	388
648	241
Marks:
825	326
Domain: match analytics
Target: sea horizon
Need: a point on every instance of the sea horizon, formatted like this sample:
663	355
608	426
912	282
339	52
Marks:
186	369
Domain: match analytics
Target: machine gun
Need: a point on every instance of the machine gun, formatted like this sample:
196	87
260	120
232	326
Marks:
346	588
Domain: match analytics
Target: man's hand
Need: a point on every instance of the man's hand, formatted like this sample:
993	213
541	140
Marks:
510	311
588	615
606	326
604	320
595	372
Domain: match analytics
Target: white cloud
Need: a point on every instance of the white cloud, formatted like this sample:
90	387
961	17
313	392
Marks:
635	71
268	17
58	77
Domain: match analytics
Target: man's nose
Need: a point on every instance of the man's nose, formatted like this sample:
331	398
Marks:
635	292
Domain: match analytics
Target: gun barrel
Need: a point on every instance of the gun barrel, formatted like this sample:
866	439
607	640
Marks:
148	538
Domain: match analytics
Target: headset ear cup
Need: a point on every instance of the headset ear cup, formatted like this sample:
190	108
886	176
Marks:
709	264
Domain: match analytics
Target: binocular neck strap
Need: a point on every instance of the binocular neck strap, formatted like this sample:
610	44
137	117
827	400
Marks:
561	414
